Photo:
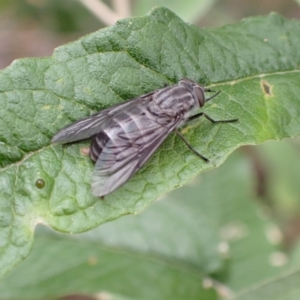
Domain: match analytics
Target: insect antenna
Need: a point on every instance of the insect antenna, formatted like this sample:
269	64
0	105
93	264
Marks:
213	96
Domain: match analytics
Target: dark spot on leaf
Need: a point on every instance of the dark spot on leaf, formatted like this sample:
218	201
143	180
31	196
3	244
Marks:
267	88
40	183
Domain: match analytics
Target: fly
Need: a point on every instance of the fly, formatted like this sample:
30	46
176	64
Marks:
126	135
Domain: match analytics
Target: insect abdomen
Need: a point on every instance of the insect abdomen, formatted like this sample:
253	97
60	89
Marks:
98	144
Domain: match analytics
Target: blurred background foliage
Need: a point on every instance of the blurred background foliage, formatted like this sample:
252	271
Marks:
30	28
35	27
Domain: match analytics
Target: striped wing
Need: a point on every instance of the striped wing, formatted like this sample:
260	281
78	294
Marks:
125	154
88	127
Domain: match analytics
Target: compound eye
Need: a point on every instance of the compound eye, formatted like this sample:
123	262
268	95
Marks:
199	94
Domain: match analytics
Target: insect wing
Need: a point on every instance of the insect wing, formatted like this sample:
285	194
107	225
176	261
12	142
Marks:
88	127
116	165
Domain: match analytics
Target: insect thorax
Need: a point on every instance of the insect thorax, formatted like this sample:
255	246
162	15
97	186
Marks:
173	102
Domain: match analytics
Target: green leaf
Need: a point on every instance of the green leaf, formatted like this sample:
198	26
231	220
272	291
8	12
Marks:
255	64
90	268
285	287
214	239
282	161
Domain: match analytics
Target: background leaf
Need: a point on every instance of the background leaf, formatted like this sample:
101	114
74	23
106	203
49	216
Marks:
213	242
255	63
285	287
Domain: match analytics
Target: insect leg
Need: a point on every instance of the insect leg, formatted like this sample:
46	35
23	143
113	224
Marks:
190	147
210	119
219	121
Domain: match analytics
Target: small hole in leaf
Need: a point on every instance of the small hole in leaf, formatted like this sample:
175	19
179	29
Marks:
40	183
266	87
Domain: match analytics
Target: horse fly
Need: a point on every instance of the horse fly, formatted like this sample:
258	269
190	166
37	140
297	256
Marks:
125	135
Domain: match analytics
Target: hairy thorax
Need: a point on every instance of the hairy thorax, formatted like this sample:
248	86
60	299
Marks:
166	108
